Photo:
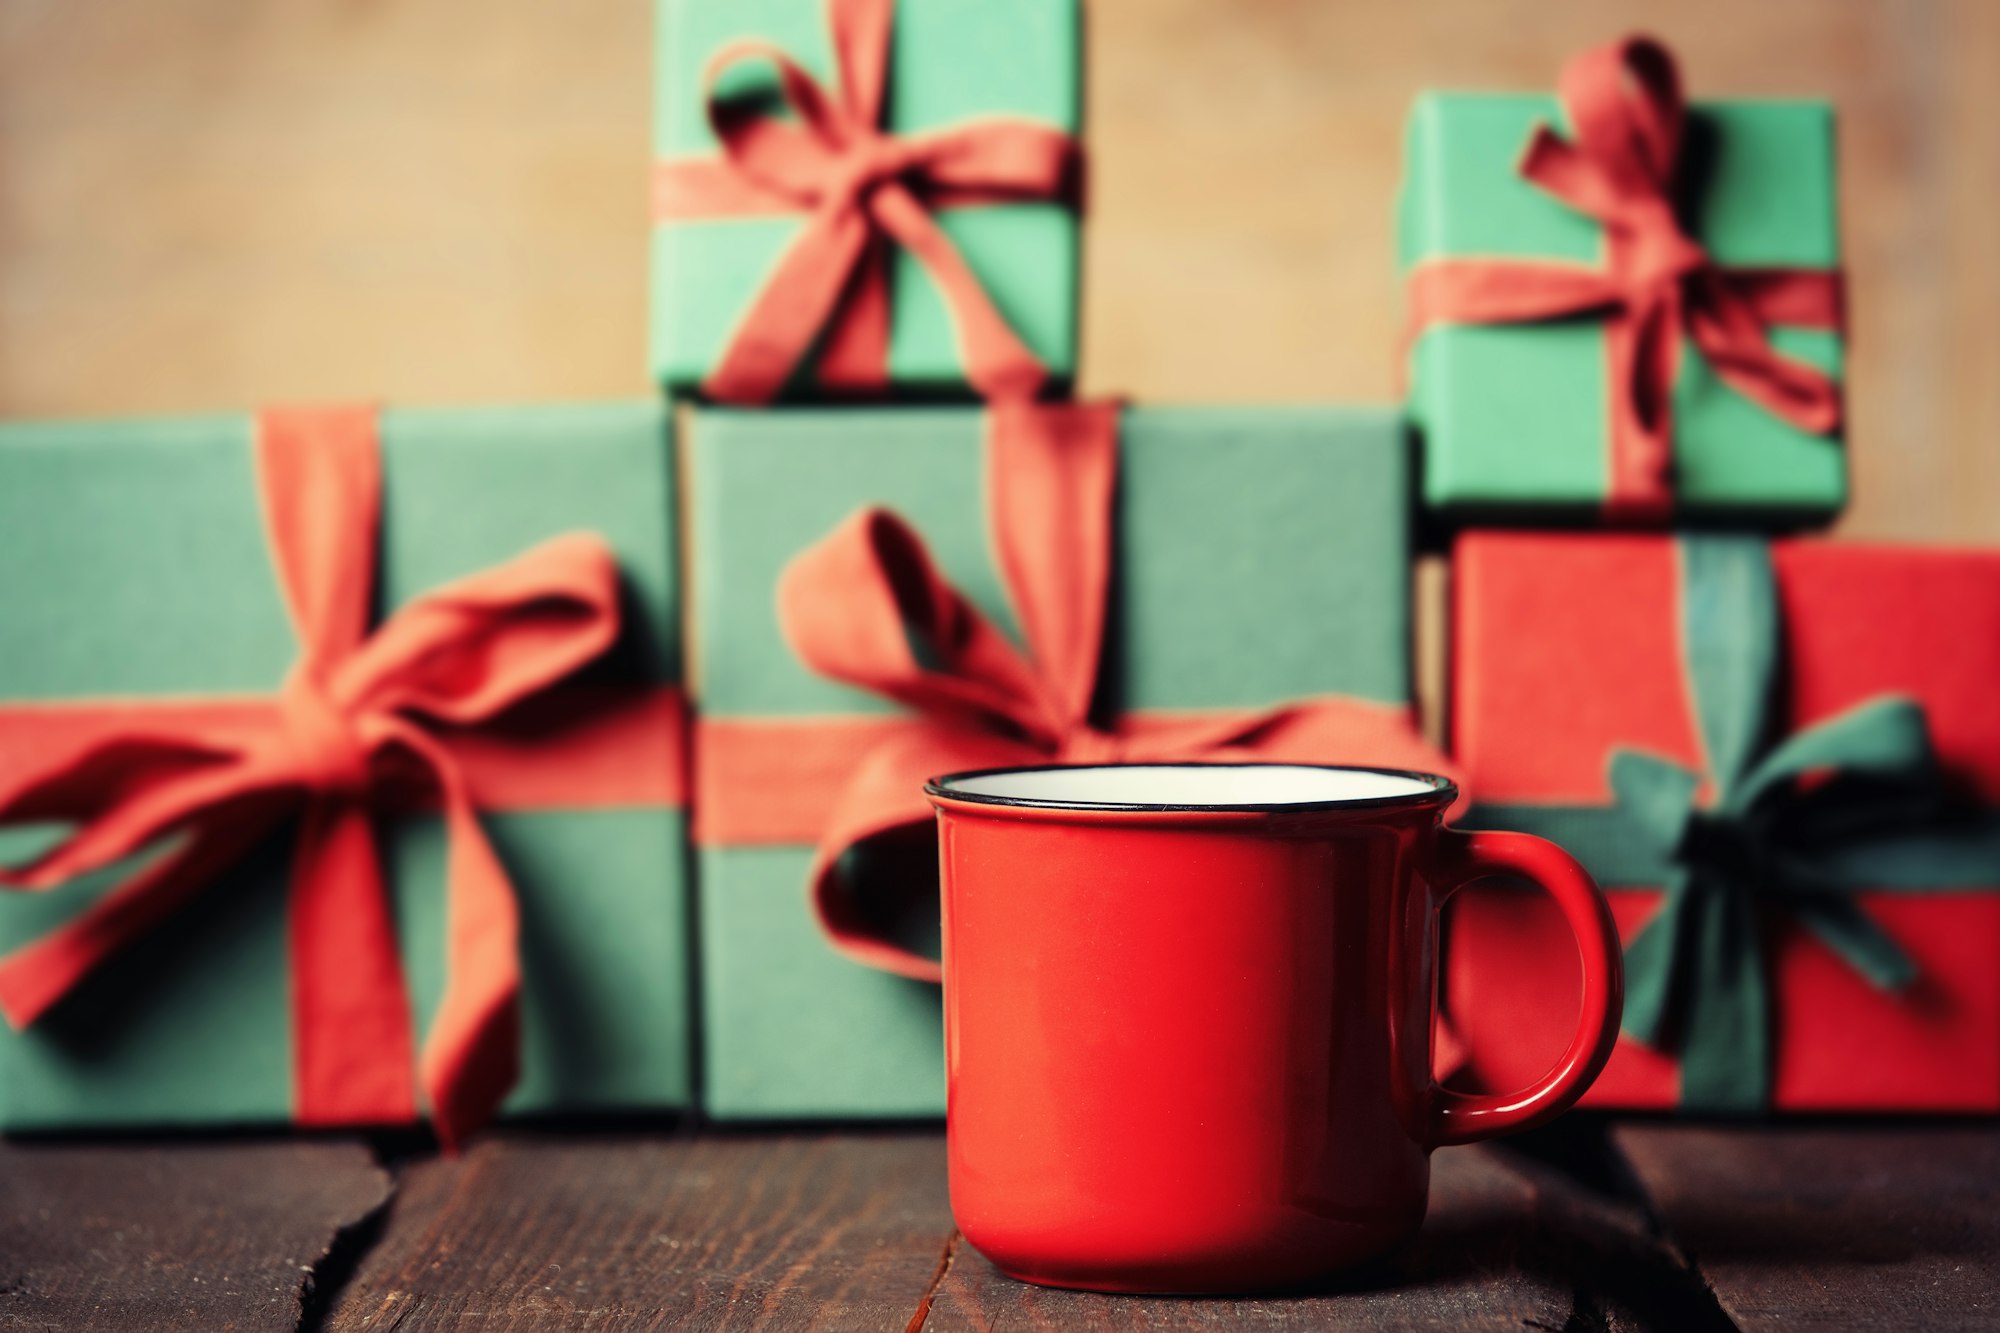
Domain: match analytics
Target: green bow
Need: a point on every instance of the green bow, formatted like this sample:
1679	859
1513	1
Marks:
1852	802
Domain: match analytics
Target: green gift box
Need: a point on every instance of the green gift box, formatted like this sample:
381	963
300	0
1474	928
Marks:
138	570
951	64
1261	555
1519	411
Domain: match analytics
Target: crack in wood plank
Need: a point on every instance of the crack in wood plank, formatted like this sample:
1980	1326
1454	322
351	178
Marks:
350	1243
195	1233
923	1310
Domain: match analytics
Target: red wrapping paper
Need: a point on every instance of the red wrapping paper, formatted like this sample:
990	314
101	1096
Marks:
1567	646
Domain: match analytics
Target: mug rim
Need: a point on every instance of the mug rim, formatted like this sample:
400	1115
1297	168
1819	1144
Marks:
1441	791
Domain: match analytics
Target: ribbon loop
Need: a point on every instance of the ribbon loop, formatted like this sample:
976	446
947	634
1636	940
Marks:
868	607
1624	100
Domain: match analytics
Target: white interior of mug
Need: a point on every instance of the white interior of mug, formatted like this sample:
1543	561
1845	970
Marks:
1188	786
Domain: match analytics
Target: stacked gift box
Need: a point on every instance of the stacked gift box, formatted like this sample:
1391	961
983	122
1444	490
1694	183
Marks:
1776	754
352	746
1108	582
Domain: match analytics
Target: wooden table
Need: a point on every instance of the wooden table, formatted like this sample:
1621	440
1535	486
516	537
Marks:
1595	1224
207	205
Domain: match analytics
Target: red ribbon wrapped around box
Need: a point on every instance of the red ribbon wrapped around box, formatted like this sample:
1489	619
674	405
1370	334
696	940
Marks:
861	189
406	715
857	605
1657	287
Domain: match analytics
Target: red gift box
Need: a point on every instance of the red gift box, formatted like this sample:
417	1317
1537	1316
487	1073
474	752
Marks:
1570	648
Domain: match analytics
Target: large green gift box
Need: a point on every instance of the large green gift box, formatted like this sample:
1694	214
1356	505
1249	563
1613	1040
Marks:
951	64
1261	555
136	569
1516	412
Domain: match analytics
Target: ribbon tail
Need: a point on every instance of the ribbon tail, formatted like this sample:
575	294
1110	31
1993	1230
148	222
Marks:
472	1054
353	1062
997	363
126	793
855	354
1643	350
1655	986
36	975
1726	1045
1726	326
792	307
1840	924
884	797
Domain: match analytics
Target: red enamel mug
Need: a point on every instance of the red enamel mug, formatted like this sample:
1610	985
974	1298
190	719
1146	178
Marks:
1188	1016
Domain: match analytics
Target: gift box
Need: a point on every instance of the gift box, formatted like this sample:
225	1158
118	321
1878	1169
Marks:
934	248
1782	762
1622	306
437	806
1253	556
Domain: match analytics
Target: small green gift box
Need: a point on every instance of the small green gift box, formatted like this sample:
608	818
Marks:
912	217
442	711
1260	556
1622	306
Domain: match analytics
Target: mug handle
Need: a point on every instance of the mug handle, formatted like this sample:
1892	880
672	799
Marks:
1465	858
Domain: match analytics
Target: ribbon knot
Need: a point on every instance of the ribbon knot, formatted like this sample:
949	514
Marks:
863	187
1696	973
1658	287
456	657
322	739
1663	257
863	164
1724	848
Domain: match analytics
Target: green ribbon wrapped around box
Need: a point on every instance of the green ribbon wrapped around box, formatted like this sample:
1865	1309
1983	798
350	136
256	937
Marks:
1853	802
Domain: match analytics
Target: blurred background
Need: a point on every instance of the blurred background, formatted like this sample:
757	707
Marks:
210	204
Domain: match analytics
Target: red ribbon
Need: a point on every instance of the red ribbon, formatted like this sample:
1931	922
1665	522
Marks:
854	605
860	189
1658	285
361	716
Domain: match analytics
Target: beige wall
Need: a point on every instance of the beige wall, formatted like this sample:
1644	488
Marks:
214	203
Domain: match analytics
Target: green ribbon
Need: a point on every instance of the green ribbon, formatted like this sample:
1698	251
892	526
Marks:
1876	815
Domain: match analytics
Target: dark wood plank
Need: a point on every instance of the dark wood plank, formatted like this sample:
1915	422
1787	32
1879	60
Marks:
198	1236
617	1232
1513	1241
853	1231
1833	1227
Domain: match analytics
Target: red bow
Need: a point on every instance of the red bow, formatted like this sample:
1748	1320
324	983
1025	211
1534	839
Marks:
360	714
1658	284
867	607
861	188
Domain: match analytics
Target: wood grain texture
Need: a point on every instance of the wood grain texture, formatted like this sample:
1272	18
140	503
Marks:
206	206
854	1231
1832	1227
613	1232
1508	1245
199	1236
